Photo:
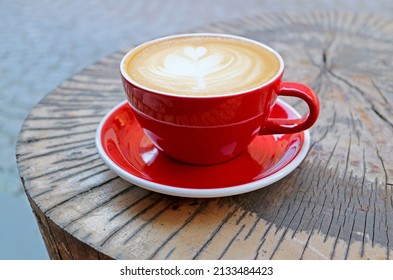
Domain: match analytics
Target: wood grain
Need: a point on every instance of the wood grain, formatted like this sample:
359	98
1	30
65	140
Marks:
336	205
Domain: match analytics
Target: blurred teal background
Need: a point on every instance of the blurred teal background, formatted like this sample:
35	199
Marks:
44	42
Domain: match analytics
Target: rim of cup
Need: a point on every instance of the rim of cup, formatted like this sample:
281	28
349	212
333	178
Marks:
133	50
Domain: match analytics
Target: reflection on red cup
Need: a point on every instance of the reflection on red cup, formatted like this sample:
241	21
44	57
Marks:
211	129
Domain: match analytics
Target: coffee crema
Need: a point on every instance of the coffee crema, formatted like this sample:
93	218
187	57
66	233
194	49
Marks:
201	65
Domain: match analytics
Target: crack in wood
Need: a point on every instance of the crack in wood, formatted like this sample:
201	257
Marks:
63	169
130	220
79	194
382	117
172	235
214	233
379	91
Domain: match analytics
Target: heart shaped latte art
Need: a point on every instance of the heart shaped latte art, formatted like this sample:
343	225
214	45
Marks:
193	62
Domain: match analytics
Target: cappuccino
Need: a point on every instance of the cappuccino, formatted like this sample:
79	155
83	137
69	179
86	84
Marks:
201	65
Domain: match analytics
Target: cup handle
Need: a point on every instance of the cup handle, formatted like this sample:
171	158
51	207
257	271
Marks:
287	126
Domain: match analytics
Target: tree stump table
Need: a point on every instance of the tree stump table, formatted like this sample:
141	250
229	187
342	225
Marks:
337	204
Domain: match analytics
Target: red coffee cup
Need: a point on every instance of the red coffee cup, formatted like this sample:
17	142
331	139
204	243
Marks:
212	129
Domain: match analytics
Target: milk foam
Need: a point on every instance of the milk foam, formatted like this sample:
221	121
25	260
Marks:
202	66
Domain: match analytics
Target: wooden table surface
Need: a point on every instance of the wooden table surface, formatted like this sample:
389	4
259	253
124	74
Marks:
337	204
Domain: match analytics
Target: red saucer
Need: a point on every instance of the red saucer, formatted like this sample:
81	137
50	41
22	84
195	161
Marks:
125	148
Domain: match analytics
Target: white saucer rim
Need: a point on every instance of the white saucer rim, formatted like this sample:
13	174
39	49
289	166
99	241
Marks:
202	193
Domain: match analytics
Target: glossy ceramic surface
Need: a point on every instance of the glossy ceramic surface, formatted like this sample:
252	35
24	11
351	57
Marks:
213	129
125	148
